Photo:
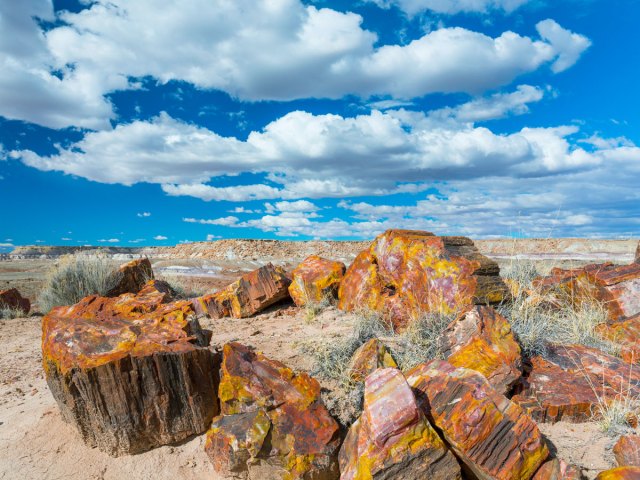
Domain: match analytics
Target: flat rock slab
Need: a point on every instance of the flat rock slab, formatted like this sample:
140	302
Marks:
273	423
12	299
130	372
570	382
405	274
315	280
627	451
492	435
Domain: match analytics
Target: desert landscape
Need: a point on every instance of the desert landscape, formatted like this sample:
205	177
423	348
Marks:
569	422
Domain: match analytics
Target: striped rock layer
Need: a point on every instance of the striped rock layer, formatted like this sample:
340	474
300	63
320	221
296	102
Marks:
315	280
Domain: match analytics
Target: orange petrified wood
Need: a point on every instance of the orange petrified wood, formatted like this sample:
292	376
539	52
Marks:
620	473
405	274
315	279
627	451
132	277
556	469
130	372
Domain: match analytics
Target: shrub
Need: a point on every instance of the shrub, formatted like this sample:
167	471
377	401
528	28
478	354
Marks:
75	277
9	313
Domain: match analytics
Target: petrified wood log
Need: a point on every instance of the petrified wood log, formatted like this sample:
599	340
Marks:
491	435
620	473
133	276
393	439
273	423
369	357
627	451
12	299
406	274
482	340
130	372
558	470
315	279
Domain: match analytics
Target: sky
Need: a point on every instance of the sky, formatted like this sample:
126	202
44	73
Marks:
154	122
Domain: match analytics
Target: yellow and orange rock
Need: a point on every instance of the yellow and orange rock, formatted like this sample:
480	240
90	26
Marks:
393	438
262	398
132	277
369	357
406	274
556	469
136	358
12	299
627	451
482	340
489	433
315	279
626	334
620	473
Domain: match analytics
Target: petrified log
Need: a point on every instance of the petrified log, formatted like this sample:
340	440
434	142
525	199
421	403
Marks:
556	469
12	299
133	276
316	279
369	357
490	434
627	451
620	473
393	439
571	381
406	274
245	297
130	372
482	340
273	423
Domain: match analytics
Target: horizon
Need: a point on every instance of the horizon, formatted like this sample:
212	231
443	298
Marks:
128	124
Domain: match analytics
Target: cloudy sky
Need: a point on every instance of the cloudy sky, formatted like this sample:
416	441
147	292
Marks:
154	122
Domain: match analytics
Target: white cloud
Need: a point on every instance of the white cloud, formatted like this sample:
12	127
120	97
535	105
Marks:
569	45
110	240
160	237
137	240
211	237
243	210
143	214
226	221
300	206
412	7
66	239
7	245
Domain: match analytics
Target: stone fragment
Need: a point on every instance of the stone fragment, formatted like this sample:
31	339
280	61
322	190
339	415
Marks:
571	381
482	340
492	435
393	439
132	277
12	299
556	469
638	253
316	279
626	334
273	423
406	274
627	451
620	473
130	372
369	357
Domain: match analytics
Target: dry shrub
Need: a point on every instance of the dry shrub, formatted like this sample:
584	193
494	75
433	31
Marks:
7	313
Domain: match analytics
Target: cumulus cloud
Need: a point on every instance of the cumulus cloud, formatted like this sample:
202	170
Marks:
227	221
160	237
412	7
109	240
143	214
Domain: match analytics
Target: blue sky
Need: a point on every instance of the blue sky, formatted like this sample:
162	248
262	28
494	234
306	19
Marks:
138	122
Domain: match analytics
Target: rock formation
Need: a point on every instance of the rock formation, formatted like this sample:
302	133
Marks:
315	279
369	357
12	299
638	253
482	340
556	469
492	435
130	372
273	423
627	451
132	277
620	473
405	274
393	439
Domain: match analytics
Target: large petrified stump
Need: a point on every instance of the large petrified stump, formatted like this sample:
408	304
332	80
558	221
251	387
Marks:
12	299
130	372
482	340
393	439
316	279
571	381
132	277
406	274
273	423
492	435
245	297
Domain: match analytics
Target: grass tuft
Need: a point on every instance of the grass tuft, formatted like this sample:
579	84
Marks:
8	313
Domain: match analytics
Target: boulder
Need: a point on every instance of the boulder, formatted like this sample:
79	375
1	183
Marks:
620	473
130	372
406	274
556	469
273	423
615	287
12	299
315	279
369	357
492	435
482	340
627	451
132	277
571	381
393	439
638	253
245	297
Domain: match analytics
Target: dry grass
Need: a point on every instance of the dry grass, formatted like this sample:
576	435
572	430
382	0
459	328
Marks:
8	313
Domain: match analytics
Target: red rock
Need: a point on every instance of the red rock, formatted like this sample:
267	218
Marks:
558	470
369	357
393	438
627	451
12	299
482	340
245	297
638	253
260	397
620	473
626	334
315	279
571	381
132	277
130	372
405	274
490	434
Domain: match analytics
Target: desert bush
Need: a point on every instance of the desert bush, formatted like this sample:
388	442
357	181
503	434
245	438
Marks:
75	277
312	308
421	341
9	313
